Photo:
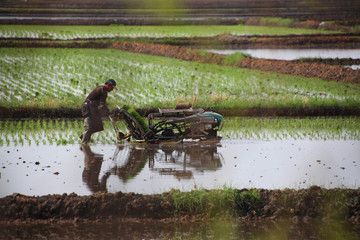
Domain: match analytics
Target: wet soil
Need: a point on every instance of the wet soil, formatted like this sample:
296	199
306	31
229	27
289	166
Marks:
297	206
331	61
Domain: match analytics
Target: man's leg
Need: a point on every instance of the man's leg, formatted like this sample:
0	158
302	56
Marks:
86	136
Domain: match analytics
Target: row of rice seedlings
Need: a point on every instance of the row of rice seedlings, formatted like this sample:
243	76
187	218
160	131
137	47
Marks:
63	78
63	132
49	132
319	128
75	32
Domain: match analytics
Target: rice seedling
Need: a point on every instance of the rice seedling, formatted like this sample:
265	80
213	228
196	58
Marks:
46	132
49	132
319	128
278	21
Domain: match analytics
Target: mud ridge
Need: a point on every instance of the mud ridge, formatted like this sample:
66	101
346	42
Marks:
305	41
295	205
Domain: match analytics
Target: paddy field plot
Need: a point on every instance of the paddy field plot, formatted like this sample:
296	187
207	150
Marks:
52	78
112	31
42	132
254	152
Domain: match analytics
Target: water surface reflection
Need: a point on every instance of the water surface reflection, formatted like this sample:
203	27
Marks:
177	160
149	169
92	166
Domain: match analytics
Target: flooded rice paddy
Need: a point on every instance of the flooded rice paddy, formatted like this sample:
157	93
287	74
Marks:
254	153
40	157
147	169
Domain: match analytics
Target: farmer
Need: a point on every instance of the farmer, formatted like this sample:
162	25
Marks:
93	108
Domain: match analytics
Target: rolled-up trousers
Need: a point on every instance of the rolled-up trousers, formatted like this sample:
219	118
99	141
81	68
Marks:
86	136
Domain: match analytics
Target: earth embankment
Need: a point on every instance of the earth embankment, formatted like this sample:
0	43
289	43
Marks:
295	205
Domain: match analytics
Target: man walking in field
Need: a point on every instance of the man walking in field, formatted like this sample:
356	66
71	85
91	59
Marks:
93	108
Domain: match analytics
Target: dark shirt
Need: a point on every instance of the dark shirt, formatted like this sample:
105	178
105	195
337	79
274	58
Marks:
97	98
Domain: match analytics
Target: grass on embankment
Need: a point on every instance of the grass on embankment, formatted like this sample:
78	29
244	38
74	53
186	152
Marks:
313	202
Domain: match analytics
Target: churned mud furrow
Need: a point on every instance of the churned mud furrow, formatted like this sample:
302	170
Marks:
295	205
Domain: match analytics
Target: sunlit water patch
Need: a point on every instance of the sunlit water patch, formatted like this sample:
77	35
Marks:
293	54
354	67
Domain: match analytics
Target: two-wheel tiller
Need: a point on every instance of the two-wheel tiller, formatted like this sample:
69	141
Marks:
169	125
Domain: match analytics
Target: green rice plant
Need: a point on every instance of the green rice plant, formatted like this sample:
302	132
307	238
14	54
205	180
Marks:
39	132
43	132
234	58
137	117
117	31
319	128
278	21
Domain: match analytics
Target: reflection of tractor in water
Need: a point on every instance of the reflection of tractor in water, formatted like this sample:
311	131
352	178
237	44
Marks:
169	125
182	159
179	160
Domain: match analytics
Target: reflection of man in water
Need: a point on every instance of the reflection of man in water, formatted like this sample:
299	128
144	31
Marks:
92	167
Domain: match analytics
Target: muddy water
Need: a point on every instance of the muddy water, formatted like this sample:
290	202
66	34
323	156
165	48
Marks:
223	228
147	169
293	54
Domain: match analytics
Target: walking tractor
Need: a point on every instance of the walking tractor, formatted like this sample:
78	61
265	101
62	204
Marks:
168	125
